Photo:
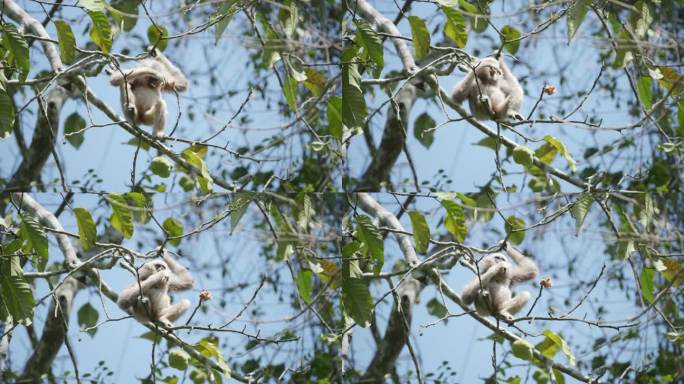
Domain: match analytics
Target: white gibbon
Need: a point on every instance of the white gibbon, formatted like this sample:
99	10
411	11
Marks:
148	298
491	291
141	97
493	92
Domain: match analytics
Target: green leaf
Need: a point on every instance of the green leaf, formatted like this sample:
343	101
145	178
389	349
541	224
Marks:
354	110
421	36
421	231
367	38
195	160
563	151
335	117
304	284
455	220
87	318
560	343
74	126
6	114
223	16
515	224
478	14
523	156
575	17
357	301
187	183
510	36
121	218
238	207
522	349
173	228
437	309
644	86
140	206
423	129
126	13
161	166
101	31
157	36
93	5
290	92
373	244
455	27
580	209
18	47
17	296
67	41
315	81
197	376
86	228
646	283
179	359
35	237
680	118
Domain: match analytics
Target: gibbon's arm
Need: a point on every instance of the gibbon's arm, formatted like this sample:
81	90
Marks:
181	277
128	296
176	81
464	87
525	270
470	290
118	77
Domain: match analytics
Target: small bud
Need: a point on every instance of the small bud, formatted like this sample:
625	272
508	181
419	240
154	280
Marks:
205	296
546	282
549	89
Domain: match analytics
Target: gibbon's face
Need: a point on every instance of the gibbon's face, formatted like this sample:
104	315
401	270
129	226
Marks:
491	260
151	267
488	74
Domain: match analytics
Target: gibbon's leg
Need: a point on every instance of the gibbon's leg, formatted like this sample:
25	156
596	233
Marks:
181	278
173	312
526	269
499	110
512	306
158	113
513	90
176	81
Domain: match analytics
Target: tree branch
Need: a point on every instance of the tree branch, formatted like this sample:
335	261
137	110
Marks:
16	13
371	206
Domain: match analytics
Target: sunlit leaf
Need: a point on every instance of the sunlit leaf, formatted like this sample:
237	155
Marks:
35	237
86	228
18	47
121	218
421	36
173	228
101	30
157	34
334	113
367	38
161	166
305	284
421	231
67	41
510	36
6	114
514	228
